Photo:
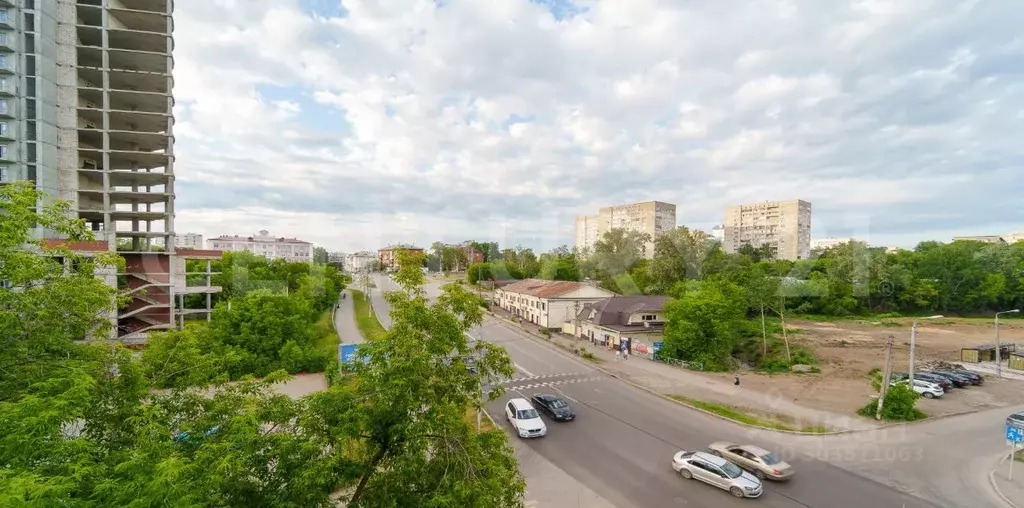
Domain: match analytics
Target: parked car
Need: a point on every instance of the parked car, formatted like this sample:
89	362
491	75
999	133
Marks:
1016	419
554	406
946	384
716	471
926	389
761	462
976	379
958	380
524	418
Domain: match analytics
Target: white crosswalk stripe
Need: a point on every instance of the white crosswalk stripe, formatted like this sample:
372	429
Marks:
554	383
542	377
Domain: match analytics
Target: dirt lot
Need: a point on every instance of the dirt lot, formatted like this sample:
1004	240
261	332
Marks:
847	350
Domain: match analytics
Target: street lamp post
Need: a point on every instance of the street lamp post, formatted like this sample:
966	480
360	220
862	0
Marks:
999	361
913	347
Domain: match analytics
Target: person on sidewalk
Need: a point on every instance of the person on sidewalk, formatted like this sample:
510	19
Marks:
618	355
736	380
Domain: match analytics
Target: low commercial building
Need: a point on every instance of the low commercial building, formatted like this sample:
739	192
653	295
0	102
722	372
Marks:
640	320
828	243
548	303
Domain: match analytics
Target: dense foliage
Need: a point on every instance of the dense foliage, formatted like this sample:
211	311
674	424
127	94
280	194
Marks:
81	425
899	405
271	319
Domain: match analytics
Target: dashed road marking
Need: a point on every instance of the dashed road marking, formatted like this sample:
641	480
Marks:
554	383
521	369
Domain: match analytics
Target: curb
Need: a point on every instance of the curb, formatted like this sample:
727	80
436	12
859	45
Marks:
995	487
544	341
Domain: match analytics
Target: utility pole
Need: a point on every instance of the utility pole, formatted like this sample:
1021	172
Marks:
999	361
576	324
885	378
913	343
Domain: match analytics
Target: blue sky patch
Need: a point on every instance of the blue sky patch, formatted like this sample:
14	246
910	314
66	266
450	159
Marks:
561	9
325	8
315	116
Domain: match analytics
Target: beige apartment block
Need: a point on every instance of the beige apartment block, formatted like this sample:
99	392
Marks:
783	225
651	217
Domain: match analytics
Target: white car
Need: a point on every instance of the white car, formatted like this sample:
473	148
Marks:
718	472
926	389
524	418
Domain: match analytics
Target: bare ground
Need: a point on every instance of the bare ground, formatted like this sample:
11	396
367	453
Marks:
848	350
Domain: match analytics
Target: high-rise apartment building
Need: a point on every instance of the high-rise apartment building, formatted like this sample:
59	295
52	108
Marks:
86	114
651	217
785	226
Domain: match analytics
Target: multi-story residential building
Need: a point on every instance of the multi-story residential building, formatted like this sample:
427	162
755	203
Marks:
86	114
785	226
388	256
828	243
718	233
336	258
651	217
358	262
263	244
547	303
189	241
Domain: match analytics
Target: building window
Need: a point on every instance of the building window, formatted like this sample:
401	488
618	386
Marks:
4	62
3	38
31	152
3	15
30	22
648	317
3	151
4	129
31	172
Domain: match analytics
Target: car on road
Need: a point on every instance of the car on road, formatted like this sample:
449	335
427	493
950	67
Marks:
716	471
926	389
524	418
976	379
761	462
557	408
958	380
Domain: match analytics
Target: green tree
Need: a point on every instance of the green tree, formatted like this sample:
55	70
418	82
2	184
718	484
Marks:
615	254
320	255
703	324
560	264
419	450
53	296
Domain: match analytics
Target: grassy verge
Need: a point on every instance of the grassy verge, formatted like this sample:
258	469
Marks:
485	423
327	337
366	320
777	422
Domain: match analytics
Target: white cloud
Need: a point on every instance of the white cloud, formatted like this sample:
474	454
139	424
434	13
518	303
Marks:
405	120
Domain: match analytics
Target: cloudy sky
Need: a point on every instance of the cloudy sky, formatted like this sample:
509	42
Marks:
358	123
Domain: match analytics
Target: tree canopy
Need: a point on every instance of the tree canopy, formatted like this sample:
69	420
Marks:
83	423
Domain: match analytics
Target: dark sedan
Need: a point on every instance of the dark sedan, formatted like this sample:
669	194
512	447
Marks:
976	379
554	406
958	380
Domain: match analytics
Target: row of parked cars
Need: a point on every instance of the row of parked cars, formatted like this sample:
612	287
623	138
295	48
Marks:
936	382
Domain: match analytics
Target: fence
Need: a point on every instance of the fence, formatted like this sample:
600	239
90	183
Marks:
676	363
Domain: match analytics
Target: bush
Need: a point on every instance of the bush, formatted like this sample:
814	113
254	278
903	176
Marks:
899	405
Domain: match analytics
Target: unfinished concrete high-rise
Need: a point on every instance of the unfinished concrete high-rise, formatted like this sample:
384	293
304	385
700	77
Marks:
782	226
86	113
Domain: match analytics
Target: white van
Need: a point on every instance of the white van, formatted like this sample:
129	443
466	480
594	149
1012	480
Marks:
524	418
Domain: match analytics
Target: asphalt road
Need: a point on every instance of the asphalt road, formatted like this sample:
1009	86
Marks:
621	444
623	439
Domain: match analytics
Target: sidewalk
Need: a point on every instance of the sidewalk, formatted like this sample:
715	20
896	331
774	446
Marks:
1012	493
345	321
667	379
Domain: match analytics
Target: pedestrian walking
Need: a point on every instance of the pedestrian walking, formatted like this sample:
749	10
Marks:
618	355
736	380
625	354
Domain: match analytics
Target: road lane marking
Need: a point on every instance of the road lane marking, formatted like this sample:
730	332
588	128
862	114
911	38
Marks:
555	388
521	369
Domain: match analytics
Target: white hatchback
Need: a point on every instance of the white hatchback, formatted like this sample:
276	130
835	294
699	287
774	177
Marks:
524	418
